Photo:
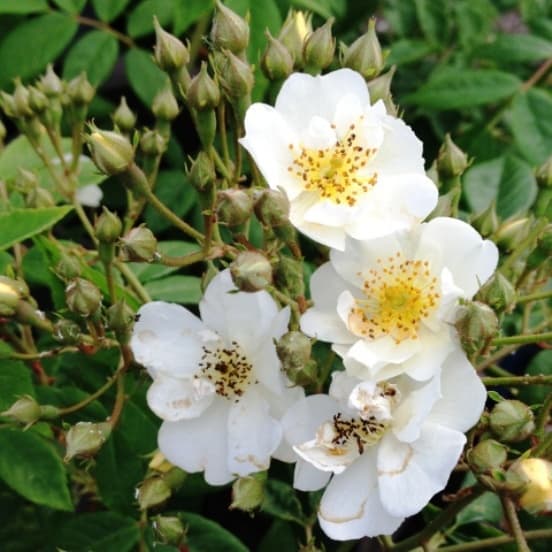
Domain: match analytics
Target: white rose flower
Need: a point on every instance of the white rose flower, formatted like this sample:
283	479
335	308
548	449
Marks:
388	305
347	167
217	382
389	445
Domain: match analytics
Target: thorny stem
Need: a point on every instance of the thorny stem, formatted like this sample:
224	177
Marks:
495	542
106	28
522	339
442	519
513	522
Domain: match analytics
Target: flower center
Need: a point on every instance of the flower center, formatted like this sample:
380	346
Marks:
398	295
333	172
228	369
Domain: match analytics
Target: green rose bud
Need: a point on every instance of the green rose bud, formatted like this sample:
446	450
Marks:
202	172
235	75
511	421
203	93
296	28
80	91
140	244
67	332
364	54
21	100
152	143
380	89
229	31
499	293
124	118
234	207
276	61
251	271
83	297
111	152
248	492
25	410
451	161
487	456
487	221
120	318
476	326
153	492
169	529
68	267
108	226
85	439
272	208
50	83
165	106
319	48
169	52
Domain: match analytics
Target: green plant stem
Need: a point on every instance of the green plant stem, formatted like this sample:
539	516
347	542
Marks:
513	521
133	281
108	266
219	164
54	139
518	380
221	116
495	542
91	398
106	28
538	74
439	522
197	37
173	218
283	298
535	296
522	339
185	260
85	221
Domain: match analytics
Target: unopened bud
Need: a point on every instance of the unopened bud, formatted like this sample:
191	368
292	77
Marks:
272	208
152	143
159	463
111	152
236	76
140	244
511	421
486	222
512	232
50	83
38	101
202	172
83	297
108	226
165	106
39	198
67	332
25	181
169	52
124	118
248	492
499	293
294	32
289	276
8	104
536	474
153	492
487	456
476	326
80	91
364	54
294	351
319	48
68	267
229	31
203	93
21	99
120	318
544	174
234	207
25	410
251	271
169	529
85	439
451	161
276	61
380	89
9	296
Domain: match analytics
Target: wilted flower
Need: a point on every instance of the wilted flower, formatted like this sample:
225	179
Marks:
388	304
217	382
390	445
347	167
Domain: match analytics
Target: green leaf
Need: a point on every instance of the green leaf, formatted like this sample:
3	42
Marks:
511	48
508	180
172	188
48	34
176	289
31	468
140	21
485	508
460	88
147	272
96	53
23	6
541	364
15	379
204	535
70	6
474	21
146	79
280	536
99	532
138	428
531	125
117	471
107	10
20	224
5	260
406	51
187	12
434	19
280	501
321	7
